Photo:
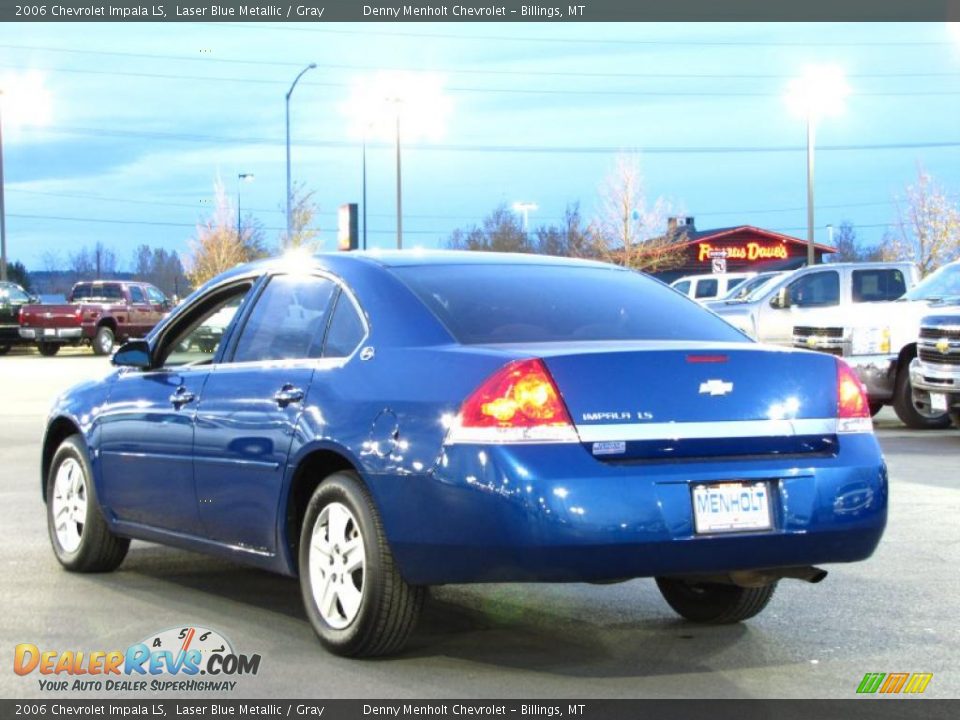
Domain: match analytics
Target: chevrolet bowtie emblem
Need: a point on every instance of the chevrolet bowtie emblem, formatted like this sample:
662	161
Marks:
943	345
716	387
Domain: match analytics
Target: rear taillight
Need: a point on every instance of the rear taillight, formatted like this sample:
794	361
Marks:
853	407
20	315
78	312
518	403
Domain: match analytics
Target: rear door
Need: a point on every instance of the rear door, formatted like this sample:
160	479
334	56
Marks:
250	408
140	313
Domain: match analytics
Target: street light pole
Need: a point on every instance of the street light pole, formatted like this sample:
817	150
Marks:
811	125
399	192
241	178
309	67
3	214
364	189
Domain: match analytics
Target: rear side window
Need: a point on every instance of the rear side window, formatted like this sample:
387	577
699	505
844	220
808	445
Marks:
288	321
346	329
489	304
96	291
683	287
818	289
707	288
878	285
136	295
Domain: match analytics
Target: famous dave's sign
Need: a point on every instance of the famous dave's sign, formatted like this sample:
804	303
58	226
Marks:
747	251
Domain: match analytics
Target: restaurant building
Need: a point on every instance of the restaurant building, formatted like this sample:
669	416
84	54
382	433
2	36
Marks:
740	248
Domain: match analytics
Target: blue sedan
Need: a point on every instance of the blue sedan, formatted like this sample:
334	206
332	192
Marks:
378	423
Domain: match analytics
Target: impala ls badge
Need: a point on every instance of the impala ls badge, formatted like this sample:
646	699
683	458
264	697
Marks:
716	387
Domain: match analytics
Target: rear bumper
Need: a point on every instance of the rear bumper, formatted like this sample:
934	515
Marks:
537	513
931	378
877	372
51	334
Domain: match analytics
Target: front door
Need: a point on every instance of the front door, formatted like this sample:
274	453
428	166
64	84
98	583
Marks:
148	426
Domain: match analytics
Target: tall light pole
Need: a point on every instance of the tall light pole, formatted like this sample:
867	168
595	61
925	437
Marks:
819	92
3	213
241	178
364	190
524	208
399	185
309	67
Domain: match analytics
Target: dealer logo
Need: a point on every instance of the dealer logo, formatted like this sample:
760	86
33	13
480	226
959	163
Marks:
170	660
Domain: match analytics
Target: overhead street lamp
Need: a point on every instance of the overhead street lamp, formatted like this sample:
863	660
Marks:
819	92
525	208
241	178
3	214
309	67
397	107
29	102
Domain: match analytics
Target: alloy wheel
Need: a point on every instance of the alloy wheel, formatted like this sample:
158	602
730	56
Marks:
337	562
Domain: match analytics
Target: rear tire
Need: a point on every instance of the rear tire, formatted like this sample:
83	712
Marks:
48	349
81	539
356	600
714	603
955	418
103	341
911	413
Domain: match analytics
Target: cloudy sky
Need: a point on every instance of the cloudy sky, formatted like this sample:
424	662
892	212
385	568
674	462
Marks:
143	118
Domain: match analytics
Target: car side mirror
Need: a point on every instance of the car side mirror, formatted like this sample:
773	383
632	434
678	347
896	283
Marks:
34	299
781	300
135	353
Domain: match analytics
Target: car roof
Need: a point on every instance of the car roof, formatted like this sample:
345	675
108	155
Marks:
419	256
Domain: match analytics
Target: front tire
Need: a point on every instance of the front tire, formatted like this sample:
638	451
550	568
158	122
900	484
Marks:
913	414
48	349
955	418
104	340
356	600
81	539
715	603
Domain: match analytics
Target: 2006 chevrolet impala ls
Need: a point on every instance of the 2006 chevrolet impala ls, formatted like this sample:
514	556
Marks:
379	423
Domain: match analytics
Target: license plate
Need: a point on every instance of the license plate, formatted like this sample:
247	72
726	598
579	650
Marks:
49	332
731	507
938	401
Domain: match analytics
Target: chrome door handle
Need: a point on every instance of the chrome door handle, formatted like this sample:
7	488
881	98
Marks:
288	394
181	397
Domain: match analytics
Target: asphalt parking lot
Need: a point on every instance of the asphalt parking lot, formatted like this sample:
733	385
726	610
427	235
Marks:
894	613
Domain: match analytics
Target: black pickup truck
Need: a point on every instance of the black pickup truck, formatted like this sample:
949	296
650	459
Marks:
12	298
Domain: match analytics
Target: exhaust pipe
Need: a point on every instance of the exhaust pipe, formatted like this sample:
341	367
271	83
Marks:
759	578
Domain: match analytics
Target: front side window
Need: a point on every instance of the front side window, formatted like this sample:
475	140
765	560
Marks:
878	285
819	289
156	297
289	320
195	339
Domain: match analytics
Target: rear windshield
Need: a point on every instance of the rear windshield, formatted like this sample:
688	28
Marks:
96	292
490	304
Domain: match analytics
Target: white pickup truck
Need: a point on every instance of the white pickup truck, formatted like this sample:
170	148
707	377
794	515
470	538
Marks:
857	310
935	372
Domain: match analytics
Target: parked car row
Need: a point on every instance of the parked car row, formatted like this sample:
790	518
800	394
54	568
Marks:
98	313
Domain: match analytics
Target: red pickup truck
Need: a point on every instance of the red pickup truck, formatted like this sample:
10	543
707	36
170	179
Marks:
99	313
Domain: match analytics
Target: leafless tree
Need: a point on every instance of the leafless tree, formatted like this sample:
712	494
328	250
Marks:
630	230
928	226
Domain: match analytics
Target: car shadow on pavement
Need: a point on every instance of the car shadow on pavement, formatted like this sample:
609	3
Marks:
567	630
